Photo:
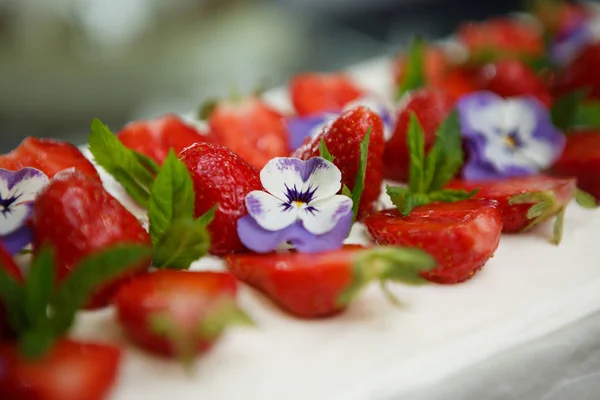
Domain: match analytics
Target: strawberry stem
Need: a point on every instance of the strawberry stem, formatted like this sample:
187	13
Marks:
224	314
545	205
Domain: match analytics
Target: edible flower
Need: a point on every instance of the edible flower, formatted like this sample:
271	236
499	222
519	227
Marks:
300	128
300	206
507	137
18	190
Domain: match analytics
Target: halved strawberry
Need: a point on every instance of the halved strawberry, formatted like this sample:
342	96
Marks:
70	371
343	139
154	138
516	197
49	156
513	78
461	236
176	313
581	160
431	107
314	93
312	285
249	128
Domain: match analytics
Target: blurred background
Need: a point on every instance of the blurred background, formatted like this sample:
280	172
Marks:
63	62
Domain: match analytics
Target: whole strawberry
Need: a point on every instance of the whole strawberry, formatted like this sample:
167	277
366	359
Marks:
461	236
78	217
49	156
343	139
314	93
431	107
221	177
249	128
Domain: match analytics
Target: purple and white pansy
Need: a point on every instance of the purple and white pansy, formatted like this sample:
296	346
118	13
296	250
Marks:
18	190
507	137
300	207
300	128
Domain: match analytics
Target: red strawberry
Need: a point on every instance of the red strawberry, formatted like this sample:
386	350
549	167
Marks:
249	128
70	371
581	73
515	215
436	64
581	159
461	236
458	82
504	37
8	264
431	107
221	177
343	139
78	218
176	313
49	156
154	138
313	93
513	78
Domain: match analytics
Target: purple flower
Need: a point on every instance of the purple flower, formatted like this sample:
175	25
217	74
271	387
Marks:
300	128
300	206
17	193
507	137
572	39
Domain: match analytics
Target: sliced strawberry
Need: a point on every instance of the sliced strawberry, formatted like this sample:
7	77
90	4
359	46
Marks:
224	178
513	78
154	138
175	313
7	264
558	192
70	371
313	93
581	73
249	128
343	139
78	218
502	38
49	156
431	107
461	236
581	160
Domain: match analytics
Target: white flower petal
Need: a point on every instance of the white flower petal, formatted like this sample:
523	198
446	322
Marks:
518	116
487	120
326	214
325	179
281	172
269	212
13	218
28	188
540	154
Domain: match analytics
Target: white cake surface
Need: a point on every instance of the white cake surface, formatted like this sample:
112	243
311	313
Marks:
430	348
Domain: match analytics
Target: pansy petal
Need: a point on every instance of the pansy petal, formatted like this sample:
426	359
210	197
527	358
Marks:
325	179
269	211
300	128
26	184
256	238
281	173
480	113
306	242
17	240
322	216
13	217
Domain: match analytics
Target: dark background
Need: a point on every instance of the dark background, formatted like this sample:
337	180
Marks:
64	62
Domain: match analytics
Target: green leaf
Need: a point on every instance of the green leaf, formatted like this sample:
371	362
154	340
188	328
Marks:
545	205
414	76
416	149
223	314
90	274
207	108
346	192
359	180
208	217
147	162
121	162
412	200
585	199
397	195
39	288
452	195
183	243
559	224
588	115
383	264
565	109
12	295
171	197
36	342
324	151
446	152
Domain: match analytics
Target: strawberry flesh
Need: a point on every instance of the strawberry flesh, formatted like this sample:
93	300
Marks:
461	236
317	93
581	159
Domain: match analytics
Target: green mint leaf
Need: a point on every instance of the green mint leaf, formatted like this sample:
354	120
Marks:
397	195
588	115
324	151
559	225
447	153
416	148
183	243
359	180
171	197
585	199
208	217
565	109
147	162
207	108
452	195
12	295
39	288
414	76
120	162
544	205
89	274
412	200
346	191
36	342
